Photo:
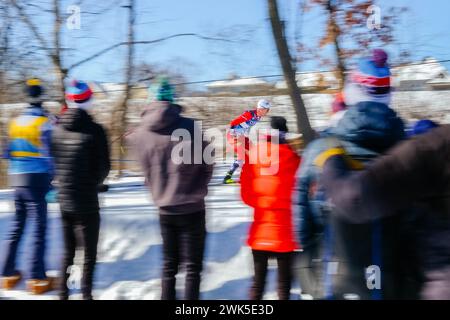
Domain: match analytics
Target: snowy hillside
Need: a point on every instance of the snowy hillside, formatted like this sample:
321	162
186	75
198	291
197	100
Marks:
129	259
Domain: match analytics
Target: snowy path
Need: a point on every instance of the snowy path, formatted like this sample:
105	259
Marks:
129	258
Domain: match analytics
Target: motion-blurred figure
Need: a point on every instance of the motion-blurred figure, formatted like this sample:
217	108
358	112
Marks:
178	187
309	266
419	170
238	134
81	152
338	109
30	173
367	129
271	233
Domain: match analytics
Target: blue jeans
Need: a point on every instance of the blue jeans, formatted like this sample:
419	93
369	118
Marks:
30	204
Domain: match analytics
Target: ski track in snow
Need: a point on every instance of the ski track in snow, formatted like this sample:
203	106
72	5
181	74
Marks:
129	250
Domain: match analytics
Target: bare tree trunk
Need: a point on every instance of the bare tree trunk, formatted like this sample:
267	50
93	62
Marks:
119	116
55	53
4	61
61	73
303	125
335	32
3	133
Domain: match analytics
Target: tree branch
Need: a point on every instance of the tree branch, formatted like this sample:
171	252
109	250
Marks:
101	52
30	24
38	7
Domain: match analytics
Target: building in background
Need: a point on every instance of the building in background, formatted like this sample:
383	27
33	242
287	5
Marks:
314	81
239	85
427	75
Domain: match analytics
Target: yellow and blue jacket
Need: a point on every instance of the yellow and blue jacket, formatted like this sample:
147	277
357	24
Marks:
29	145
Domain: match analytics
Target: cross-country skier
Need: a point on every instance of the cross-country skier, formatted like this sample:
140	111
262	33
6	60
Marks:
239	131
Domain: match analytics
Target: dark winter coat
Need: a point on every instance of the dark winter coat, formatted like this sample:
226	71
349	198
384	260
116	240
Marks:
370	125
177	187
365	130
416	170
81	152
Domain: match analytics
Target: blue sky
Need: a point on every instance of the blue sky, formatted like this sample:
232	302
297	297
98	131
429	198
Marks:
425	30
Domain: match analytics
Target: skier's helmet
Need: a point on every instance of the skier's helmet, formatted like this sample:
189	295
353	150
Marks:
264	104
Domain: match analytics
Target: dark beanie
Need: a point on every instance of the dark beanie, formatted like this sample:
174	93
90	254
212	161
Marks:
279	123
34	88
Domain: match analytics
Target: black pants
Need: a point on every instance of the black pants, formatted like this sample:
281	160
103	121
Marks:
183	242
284	260
80	230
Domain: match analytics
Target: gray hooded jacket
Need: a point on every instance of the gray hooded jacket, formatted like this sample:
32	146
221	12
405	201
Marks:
178	184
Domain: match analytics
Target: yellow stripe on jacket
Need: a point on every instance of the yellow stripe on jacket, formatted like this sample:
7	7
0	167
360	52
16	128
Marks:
322	158
31	132
25	154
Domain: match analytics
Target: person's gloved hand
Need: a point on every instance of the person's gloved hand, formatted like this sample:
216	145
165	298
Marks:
237	131
51	196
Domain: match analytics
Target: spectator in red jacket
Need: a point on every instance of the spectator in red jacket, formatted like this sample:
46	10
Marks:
271	233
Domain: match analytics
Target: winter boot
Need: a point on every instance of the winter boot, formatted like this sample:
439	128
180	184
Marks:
10	282
40	286
227	179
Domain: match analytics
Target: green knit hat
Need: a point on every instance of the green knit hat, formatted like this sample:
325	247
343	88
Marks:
162	90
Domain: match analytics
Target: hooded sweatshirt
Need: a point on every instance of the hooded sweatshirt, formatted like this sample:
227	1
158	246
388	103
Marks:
170	149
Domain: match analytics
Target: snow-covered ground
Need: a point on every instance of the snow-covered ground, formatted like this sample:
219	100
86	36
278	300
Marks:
129	258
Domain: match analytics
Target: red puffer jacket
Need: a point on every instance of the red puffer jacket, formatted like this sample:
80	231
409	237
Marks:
267	183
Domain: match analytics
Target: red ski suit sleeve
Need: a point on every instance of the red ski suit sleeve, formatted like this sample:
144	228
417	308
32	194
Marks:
246	116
